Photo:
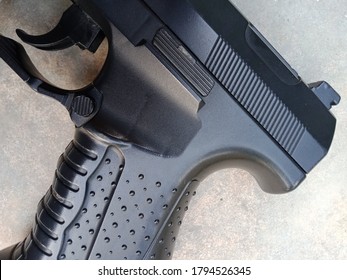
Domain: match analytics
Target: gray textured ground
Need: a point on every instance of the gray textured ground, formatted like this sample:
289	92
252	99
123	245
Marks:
231	218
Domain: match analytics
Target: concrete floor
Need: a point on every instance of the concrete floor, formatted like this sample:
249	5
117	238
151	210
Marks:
230	218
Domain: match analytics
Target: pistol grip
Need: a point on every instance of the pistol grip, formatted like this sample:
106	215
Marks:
102	206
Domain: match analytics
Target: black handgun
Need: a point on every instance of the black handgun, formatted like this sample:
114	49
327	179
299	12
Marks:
188	87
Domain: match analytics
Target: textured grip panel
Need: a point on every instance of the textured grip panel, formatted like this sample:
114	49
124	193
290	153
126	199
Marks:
99	208
64	199
163	248
81	233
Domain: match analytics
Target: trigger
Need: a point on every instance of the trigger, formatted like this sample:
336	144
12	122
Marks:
74	28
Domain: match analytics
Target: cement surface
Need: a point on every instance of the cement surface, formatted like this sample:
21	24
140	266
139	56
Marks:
230	218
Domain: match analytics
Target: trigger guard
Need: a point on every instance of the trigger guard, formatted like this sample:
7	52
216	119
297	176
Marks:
82	104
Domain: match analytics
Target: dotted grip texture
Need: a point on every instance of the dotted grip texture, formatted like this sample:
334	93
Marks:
97	208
